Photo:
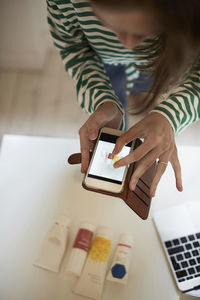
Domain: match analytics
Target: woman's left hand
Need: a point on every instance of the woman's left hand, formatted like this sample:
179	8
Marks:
159	143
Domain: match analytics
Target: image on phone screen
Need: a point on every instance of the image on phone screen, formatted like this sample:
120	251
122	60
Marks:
102	164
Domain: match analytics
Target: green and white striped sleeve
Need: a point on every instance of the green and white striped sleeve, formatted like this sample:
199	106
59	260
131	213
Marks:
182	106
81	62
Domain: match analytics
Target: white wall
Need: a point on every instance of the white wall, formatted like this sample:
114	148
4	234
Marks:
24	34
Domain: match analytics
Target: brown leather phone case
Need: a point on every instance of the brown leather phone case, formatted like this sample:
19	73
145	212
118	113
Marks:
138	200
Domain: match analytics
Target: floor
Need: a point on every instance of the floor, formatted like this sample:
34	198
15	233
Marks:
44	104
39	103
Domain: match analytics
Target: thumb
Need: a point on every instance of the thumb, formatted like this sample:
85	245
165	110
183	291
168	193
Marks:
93	133
94	124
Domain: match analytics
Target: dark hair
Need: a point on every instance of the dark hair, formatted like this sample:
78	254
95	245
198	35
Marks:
175	49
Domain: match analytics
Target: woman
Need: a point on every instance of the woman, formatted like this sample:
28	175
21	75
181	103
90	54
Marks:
159	36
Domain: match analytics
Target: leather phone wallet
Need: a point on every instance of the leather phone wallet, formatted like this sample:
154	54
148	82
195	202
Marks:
138	200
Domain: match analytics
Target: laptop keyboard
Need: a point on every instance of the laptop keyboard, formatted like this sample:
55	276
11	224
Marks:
184	254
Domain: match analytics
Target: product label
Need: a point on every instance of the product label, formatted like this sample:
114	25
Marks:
124	245
83	239
100	249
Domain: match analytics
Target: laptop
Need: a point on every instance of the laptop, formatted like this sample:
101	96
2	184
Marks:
179	231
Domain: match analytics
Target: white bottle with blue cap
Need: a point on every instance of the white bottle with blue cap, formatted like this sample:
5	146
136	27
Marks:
119	268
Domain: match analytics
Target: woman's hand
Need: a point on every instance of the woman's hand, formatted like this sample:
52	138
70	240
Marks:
158	143
107	114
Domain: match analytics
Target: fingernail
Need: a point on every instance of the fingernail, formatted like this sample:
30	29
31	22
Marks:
110	156
180	188
93	137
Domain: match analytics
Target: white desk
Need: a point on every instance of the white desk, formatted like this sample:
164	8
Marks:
37	184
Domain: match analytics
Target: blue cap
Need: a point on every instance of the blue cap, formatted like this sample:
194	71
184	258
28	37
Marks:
118	271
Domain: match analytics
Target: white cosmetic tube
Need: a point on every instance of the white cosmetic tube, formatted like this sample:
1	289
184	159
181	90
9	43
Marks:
90	283
119	268
80	248
54	245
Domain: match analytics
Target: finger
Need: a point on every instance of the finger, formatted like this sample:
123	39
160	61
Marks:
88	133
85	157
93	126
93	133
124	139
143	165
85	149
136	155
160	169
177	170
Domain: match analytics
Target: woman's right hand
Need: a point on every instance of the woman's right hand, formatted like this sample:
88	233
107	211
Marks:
159	143
106	115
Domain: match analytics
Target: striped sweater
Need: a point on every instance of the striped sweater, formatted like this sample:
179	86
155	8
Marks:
85	44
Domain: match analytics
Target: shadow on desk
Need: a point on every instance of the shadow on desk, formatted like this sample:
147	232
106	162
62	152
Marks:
187	297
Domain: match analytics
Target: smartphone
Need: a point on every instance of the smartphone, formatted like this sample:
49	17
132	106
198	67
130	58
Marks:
101	174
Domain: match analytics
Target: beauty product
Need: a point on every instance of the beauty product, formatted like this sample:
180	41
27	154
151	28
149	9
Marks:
54	245
80	248
90	283
120	264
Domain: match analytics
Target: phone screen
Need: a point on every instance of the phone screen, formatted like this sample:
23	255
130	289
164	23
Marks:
102	165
